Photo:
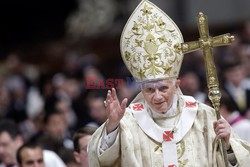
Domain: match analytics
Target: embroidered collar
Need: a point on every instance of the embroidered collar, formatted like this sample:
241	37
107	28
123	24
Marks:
167	136
146	122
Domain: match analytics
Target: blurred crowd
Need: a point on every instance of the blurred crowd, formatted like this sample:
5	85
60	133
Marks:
57	113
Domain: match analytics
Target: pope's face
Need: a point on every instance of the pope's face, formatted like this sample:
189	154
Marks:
159	94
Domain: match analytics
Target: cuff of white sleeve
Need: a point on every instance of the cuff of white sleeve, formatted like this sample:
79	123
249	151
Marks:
108	139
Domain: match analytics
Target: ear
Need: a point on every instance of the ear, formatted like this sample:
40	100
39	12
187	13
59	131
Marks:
77	157
19	141
177	83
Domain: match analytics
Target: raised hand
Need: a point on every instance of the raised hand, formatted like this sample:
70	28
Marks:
223	130
114	110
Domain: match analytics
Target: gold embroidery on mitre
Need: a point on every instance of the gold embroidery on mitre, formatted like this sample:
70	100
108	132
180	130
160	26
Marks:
149	44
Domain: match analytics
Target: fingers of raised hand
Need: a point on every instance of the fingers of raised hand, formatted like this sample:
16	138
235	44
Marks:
124	104
119	112
109	96
108	101
114	95
112	102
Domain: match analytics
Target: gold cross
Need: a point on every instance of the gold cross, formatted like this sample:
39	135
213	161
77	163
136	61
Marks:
206	43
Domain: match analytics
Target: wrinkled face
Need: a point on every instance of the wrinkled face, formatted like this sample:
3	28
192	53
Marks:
82	156
32	157
8	148
159	94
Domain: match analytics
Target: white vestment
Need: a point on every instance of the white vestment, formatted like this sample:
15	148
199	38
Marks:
134	147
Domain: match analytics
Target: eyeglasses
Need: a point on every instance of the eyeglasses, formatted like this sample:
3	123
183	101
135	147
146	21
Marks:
84	149
151	90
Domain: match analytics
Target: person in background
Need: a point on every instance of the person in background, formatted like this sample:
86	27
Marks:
190	85
81	139
10	141
30	155
236	85
240	124
54	135
96	107
51	159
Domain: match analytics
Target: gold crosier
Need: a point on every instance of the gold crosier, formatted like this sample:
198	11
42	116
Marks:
206	43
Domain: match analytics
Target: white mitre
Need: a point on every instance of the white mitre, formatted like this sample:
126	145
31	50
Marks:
149	44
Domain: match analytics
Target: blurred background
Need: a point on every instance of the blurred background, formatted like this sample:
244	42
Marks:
49	48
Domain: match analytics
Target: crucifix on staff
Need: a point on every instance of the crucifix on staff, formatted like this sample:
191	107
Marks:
207	43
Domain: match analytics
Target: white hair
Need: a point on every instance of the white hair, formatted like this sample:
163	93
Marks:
173	80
